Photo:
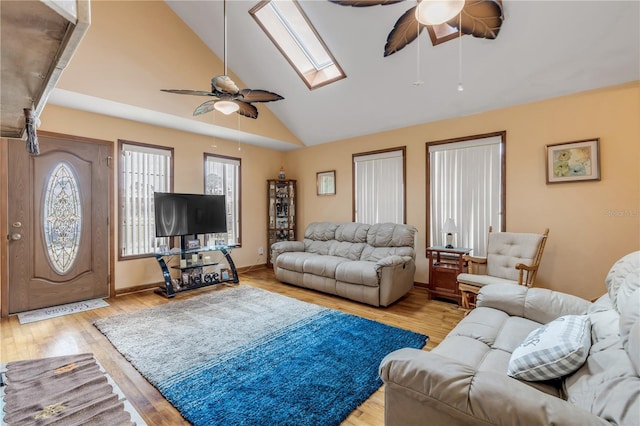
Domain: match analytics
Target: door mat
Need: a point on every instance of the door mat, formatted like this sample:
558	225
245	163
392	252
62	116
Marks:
60	310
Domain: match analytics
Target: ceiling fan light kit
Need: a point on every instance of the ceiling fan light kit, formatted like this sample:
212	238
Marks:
226	107
436	12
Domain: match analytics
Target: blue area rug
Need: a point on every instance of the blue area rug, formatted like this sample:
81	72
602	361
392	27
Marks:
284	362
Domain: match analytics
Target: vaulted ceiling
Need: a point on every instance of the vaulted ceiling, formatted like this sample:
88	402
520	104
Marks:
544	49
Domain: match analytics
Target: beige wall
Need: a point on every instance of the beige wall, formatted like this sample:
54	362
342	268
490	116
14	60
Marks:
257	165
133	49
591	224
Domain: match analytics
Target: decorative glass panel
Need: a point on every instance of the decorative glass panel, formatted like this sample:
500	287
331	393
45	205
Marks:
62	218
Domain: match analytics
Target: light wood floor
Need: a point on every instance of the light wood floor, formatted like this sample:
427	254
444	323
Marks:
75	334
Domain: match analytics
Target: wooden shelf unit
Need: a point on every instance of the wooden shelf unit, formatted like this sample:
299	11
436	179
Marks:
281	212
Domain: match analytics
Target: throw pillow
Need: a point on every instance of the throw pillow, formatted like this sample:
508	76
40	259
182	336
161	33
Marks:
552	350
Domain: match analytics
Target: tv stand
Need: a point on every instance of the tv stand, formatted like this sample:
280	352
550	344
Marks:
194	271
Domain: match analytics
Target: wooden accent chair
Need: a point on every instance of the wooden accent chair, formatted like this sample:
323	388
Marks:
512	258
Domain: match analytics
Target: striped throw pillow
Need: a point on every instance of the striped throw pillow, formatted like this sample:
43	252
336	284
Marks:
552	350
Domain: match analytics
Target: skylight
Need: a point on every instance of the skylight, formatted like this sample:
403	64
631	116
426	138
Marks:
290	30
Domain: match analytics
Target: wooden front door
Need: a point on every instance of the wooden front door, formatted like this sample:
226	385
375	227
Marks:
58	219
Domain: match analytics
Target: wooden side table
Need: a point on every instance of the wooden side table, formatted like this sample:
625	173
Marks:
444	266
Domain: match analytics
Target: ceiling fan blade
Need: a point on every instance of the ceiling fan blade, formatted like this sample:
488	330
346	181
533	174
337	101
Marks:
406	30
204	108
480	18
188	92
247	109
251	95
364	3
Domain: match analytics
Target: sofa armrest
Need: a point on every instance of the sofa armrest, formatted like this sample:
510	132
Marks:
454	390
284	246
393	260
537	304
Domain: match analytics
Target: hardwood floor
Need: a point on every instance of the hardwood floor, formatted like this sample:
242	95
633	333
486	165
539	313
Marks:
76	334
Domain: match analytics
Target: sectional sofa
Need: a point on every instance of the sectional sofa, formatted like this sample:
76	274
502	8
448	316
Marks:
528	356
373	264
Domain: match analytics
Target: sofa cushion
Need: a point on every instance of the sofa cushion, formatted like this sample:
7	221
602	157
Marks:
293	261
321	231
553	350
604	324
630	329
391	235
352	232
345	249
623	279
607	386
323	266
317	246
358	272
485	340
373	254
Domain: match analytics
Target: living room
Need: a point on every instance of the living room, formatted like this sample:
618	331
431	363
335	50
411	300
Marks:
125	59
596	221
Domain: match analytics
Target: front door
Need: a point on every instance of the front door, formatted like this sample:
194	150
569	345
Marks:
58	217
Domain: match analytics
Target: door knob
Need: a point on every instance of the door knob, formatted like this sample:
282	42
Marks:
16	237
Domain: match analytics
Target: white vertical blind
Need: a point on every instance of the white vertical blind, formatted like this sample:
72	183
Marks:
144	170
466	185
379	187
222	177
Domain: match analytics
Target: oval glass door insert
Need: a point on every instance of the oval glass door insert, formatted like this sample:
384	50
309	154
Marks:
62	218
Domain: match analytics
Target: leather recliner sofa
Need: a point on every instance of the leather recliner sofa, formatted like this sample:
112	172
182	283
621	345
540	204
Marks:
464	380
373	264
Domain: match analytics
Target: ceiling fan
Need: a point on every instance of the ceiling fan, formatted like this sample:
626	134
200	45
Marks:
228	98
479	18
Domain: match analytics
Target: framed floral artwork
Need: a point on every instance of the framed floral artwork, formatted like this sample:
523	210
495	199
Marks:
573	161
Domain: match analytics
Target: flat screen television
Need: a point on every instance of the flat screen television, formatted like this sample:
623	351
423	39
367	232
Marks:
189	214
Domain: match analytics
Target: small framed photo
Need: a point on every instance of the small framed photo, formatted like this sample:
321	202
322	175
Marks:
193	244
326	182
573	161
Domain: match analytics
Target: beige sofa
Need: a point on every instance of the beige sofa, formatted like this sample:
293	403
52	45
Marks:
464	380
373	264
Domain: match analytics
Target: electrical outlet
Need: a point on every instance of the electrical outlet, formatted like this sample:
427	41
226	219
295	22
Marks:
260	251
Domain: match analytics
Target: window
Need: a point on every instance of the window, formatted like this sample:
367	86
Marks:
286	24
378	186
144	169
222	177
466	182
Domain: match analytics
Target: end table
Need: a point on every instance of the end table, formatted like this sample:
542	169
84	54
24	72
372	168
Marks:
444	266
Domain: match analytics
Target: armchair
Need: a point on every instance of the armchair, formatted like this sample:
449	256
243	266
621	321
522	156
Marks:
512	258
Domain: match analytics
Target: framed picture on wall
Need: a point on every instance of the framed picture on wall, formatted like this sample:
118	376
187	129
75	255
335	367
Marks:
573	161
326	182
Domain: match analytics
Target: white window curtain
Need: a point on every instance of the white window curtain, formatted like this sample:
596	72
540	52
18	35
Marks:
379	187
466	185
222	177
144	170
